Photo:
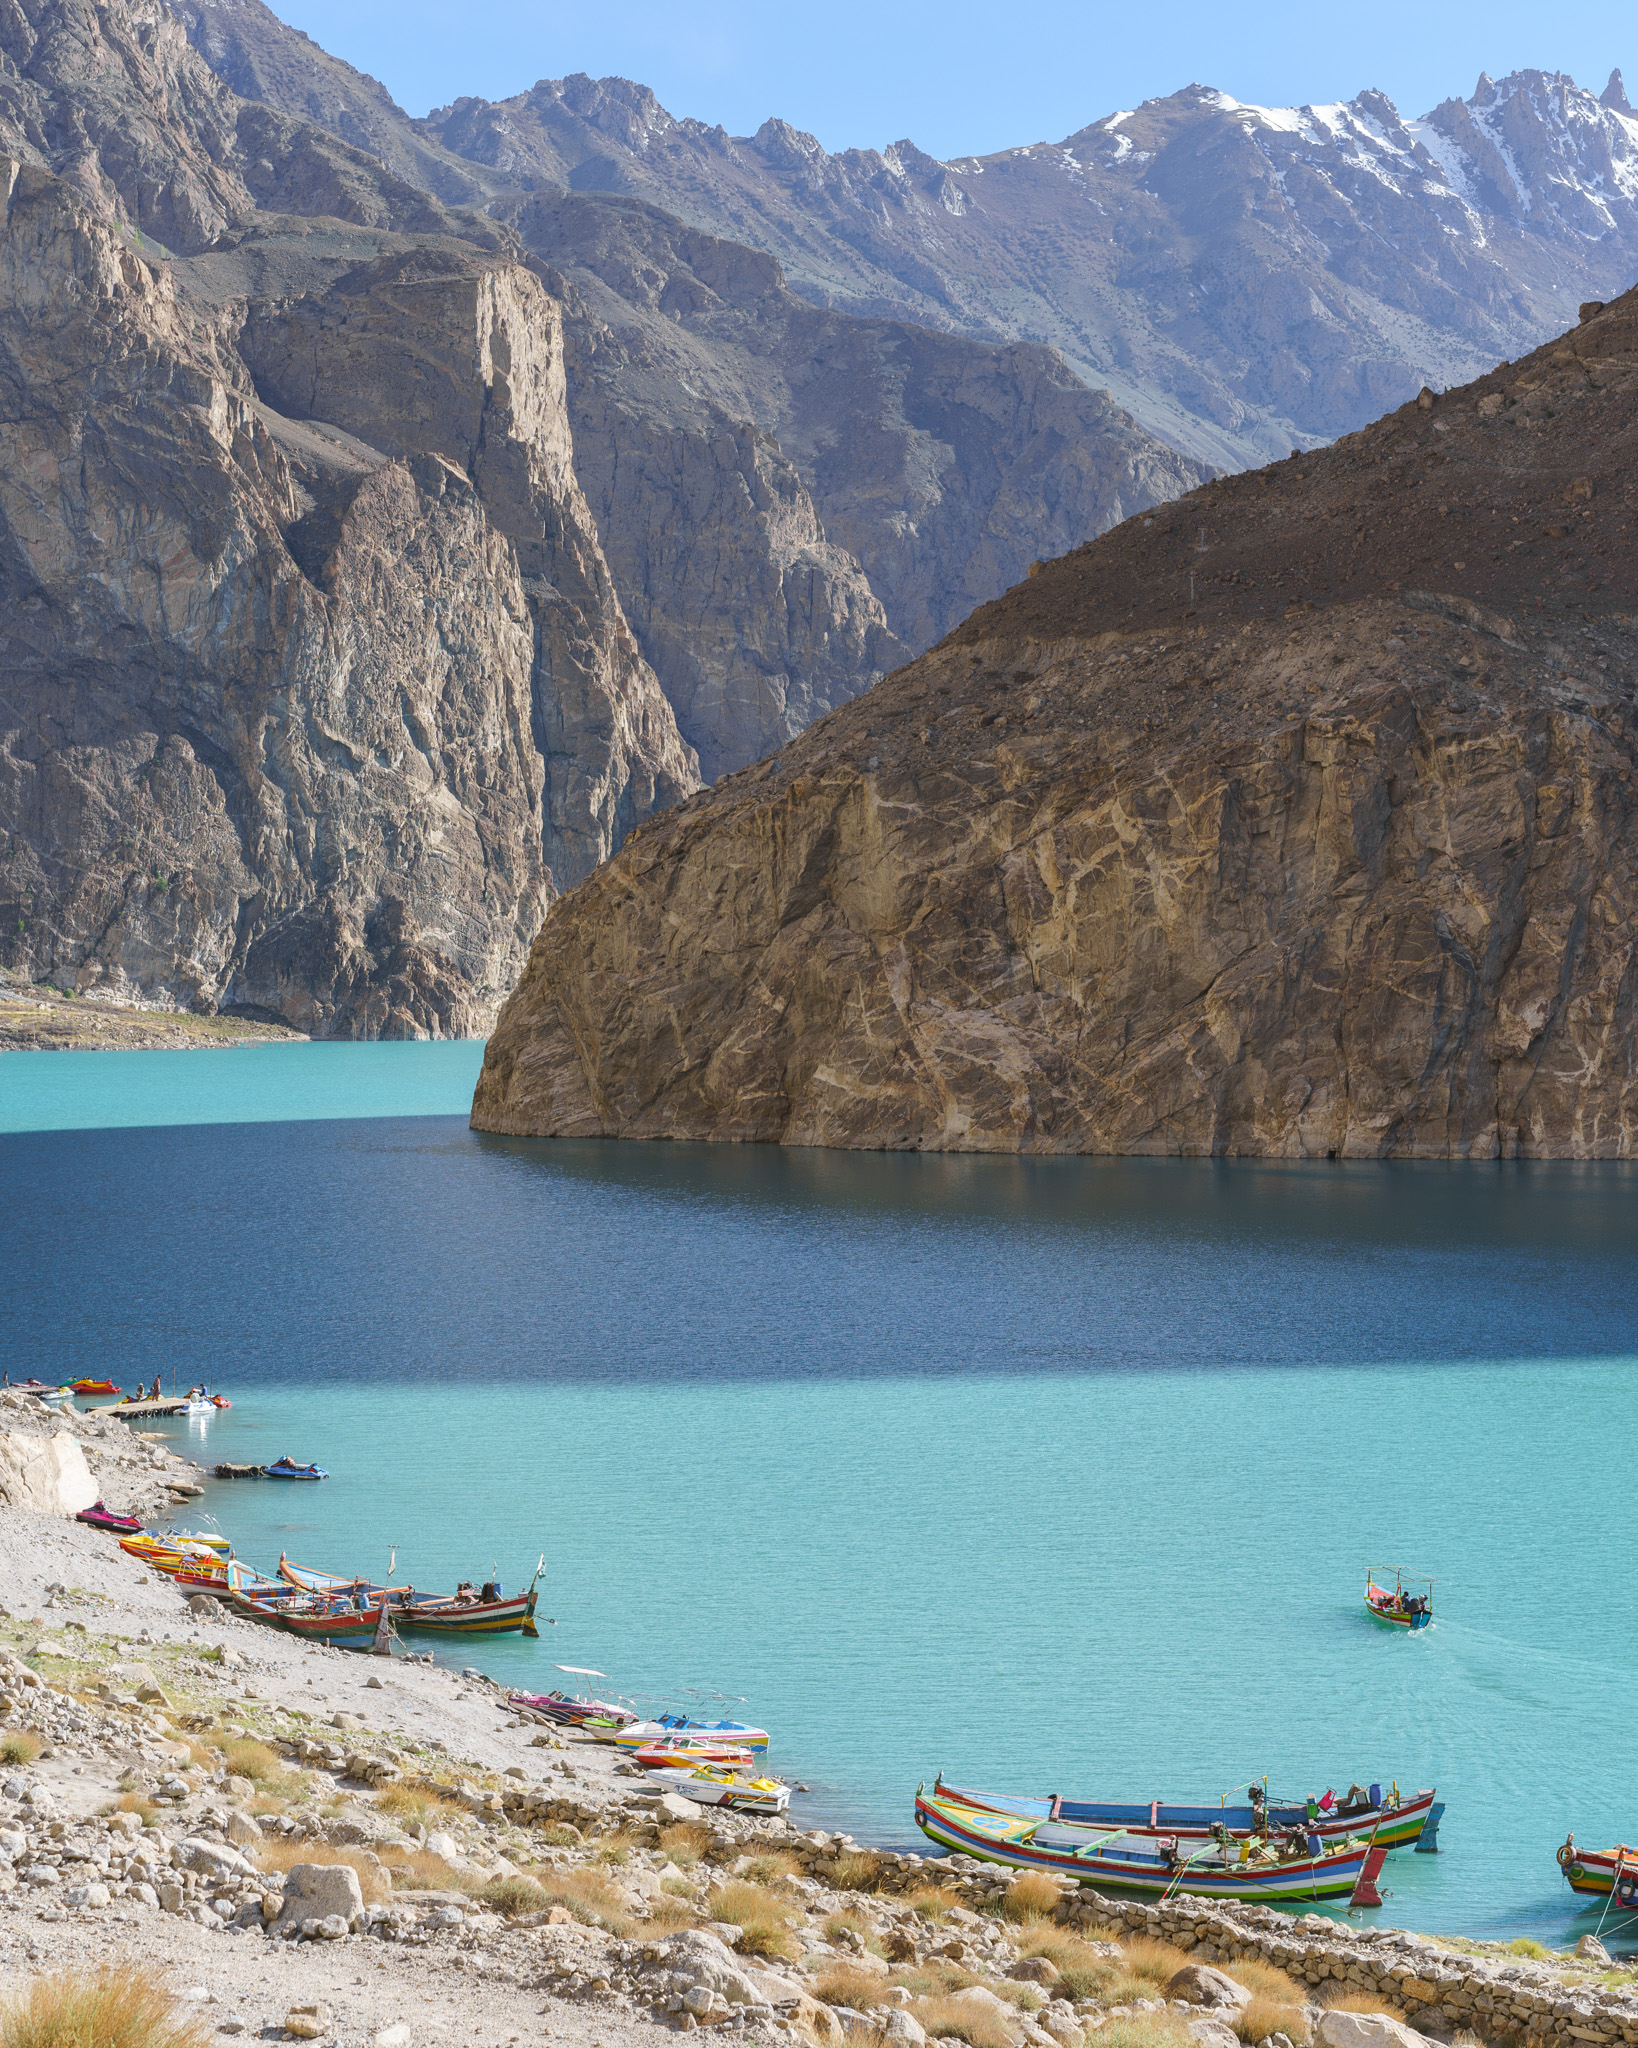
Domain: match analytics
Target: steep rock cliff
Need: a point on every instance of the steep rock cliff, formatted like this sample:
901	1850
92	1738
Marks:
314	667
1298	818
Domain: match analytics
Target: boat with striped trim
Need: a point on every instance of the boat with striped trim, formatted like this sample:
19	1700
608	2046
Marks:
565	1711
1403	1604
464	1612
1393	1821
1595	1873
1269	1873
315	1617
639	1734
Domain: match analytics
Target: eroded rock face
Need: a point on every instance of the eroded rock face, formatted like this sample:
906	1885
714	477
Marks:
295	719
1338	860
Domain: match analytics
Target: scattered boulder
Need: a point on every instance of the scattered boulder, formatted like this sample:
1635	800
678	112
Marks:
307	2022
206	1607
1060	2020
319	1892
1210	2033
1035	1970
1365	2030
242	1829
47	1475
1591	1950
395	2036
1200	1984
672	1806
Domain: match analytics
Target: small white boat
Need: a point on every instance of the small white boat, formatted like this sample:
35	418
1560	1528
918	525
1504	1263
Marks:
710	1785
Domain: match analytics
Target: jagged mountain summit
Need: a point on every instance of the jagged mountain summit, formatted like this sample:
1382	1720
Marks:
1243	279
1297	818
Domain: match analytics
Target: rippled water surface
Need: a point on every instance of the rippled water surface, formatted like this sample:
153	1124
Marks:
1056	1475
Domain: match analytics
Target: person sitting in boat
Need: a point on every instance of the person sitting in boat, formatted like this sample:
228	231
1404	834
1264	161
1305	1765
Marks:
491	1591
464	1593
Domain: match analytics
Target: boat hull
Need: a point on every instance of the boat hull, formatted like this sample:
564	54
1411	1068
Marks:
427	1613
994	1838
1591	1873
757	1796
1394	1827
642	1734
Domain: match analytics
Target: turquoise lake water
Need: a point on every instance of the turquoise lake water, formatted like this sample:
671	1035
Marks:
1054	1475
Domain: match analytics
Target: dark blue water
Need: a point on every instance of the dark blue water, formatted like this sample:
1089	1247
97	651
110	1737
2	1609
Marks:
1057	1475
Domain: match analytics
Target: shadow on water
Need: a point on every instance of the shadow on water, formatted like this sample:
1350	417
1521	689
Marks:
416	1249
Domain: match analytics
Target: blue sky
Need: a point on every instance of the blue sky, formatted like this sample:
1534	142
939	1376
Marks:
960	77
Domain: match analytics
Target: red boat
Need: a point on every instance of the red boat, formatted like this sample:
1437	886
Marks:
94	1387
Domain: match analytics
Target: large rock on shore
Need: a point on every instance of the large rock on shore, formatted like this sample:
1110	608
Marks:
1299	818
46	1474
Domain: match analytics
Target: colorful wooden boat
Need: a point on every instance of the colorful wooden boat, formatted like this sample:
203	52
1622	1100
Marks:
435	1613
1156	1866
169	1554
639	1733
566	1712
315	1617
1594	1873
1403	1604
100	1517
1394	1822
715	1785
287	1468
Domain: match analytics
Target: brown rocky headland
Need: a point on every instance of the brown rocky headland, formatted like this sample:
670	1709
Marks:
1296	818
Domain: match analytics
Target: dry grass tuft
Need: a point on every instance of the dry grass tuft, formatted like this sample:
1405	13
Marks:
773	1868
847	1984
414	1806
685	1843
372	1880
1524	1946
107	2008
670	1916
1157	1962
852	1921
421	1870
1032	1899
1145	2030
1265	2016
19	1747
514	1896
933	1902
934	1979
592	1896
858	1870
963	2019
134	1802
762	1917
1267	1980
248	1758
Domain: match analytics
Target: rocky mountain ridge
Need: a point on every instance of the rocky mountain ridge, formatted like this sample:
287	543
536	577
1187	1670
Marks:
1296	818
318	678
1243	279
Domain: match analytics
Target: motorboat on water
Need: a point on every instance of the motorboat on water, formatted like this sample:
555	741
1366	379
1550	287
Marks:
287	1468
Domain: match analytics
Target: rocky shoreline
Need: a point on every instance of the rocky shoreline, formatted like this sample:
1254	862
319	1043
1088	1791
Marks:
35	1017
309	1843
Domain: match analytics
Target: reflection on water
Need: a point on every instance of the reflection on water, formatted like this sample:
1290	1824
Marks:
413	1248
